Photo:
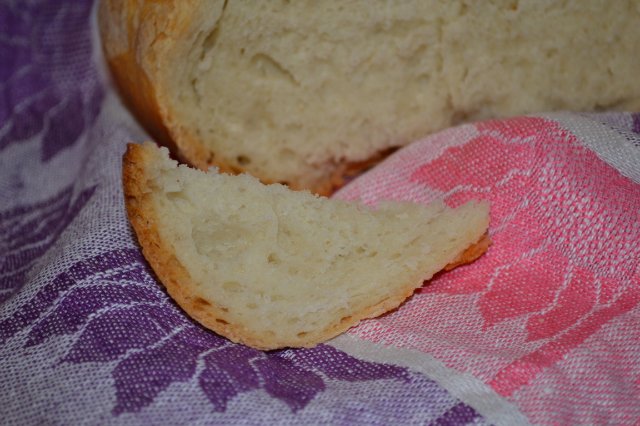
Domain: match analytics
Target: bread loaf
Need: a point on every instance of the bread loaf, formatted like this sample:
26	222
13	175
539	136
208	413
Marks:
270	267
304	91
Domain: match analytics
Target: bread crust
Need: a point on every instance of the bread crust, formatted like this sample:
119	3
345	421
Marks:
130	31
159	254
137	162
139	35
178	281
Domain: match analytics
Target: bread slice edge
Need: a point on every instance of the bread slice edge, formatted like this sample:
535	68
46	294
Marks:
138	163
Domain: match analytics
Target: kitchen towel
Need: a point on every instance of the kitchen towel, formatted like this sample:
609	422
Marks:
543	329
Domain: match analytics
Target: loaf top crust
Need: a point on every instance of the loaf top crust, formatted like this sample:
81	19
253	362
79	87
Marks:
307	93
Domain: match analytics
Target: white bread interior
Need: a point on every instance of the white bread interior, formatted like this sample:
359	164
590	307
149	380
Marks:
270	267
304	91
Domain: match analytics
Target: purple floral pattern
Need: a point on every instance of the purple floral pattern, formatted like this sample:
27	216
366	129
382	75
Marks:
48	79
456	415
27	232
117	313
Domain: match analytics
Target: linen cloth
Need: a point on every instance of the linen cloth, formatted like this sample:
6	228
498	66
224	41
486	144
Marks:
543	329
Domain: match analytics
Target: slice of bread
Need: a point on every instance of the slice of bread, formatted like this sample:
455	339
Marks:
304	92
270	267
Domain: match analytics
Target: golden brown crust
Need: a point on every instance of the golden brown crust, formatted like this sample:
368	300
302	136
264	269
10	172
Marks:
138	33
471	253
118	20
166	265
168	268
137	163
160	256
130	31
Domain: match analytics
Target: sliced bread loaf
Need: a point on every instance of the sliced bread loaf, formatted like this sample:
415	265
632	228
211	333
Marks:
304	92
270	267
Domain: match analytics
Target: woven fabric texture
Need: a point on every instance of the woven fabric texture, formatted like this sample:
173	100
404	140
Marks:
544	329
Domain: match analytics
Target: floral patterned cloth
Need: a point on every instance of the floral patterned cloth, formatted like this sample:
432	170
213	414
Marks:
544	329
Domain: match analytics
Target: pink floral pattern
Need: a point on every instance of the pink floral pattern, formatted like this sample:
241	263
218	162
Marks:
564	227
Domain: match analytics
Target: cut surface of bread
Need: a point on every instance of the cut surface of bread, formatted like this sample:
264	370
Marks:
270	267
304	92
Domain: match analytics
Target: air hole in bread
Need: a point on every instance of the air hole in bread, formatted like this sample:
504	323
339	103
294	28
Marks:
273	259
200	302
209	42
243	160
